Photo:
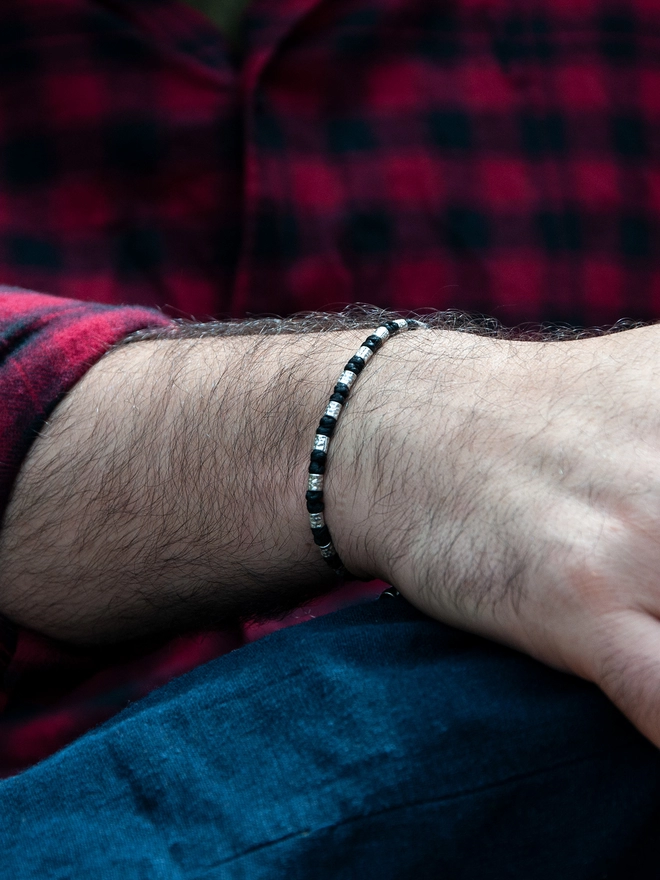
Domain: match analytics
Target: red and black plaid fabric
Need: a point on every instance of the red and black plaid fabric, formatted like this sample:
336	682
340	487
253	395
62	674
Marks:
490	155
498	156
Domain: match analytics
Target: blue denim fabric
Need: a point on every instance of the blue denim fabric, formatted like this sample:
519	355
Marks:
372	743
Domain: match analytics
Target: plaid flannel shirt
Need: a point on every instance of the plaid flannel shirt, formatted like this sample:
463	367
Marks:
498	156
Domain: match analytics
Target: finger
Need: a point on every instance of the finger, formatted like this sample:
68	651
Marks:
627	668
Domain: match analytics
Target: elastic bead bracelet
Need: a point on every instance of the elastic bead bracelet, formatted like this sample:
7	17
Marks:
326	428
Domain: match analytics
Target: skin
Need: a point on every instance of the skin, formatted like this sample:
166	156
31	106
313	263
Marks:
511	488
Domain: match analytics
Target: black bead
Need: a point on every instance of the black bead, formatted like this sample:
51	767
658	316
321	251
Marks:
412	323
337	398
325	432
321	536
335	563
327	422
342	388
373	342
392	327
314	501
355	365
319	457
316	468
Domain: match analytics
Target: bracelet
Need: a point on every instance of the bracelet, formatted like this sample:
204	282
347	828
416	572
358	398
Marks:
325	430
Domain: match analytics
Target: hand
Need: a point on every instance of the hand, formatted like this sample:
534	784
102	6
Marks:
513	489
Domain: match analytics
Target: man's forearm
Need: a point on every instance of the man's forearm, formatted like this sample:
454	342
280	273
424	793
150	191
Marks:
168	489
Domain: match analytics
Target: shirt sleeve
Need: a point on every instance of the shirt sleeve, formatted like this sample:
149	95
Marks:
47	344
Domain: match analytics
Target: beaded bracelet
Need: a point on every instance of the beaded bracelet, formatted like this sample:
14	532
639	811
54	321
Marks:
325	430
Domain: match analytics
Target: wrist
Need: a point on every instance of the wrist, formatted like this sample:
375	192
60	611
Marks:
410	434
372	456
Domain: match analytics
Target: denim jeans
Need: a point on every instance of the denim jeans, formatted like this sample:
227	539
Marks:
371	743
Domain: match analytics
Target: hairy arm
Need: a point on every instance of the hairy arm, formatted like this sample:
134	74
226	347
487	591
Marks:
168	489
507	487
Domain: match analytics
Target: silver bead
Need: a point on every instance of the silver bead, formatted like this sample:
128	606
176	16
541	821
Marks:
314	482
328	550
333	409
382	333
401	323
347	378
321	443
316	520
365	353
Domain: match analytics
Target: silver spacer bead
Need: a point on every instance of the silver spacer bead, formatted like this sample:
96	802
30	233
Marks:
321	443
328	550
401	323
316	520
347	378
382	333
333	409
365	353
314	482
